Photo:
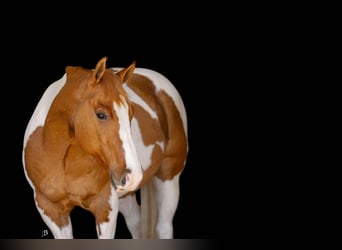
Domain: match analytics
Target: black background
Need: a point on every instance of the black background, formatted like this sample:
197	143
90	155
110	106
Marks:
233	65
190	46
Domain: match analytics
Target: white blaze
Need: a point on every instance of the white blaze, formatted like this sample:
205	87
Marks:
131	156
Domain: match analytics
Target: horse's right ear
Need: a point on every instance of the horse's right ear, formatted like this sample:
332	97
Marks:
126	73
99	69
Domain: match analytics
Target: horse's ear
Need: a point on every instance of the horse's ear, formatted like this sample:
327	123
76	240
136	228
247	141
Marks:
126	73
99	69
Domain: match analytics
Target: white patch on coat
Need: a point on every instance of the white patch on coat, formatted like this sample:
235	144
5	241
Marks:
107	229
64	232
162	83
137	99
144	151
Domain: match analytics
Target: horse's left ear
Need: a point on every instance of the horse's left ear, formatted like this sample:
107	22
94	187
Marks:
126	73
99	69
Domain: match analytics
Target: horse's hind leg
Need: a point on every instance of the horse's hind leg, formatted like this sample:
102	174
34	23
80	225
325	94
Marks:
58	223
167	194
130	209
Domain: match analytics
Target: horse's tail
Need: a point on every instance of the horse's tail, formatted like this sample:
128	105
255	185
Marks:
149	211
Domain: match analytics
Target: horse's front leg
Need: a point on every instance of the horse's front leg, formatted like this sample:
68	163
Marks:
105	209
130	209
58	222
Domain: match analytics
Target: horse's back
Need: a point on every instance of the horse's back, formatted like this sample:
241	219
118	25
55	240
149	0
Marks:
161	83
162	122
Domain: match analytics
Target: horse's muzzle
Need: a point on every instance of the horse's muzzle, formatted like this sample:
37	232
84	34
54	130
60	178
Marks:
119	185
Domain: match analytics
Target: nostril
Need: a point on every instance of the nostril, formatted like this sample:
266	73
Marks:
124	177
123	180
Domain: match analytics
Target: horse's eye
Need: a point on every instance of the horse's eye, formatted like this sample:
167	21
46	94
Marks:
101	116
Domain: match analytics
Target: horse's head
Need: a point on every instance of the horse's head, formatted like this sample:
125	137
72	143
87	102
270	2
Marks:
101	122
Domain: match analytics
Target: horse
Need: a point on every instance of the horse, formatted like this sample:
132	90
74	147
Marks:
99	136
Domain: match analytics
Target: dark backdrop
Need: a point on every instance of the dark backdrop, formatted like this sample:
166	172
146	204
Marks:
187	49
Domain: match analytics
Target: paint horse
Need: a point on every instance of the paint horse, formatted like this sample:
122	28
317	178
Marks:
99	136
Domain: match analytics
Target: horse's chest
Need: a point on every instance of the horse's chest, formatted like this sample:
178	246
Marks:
83	175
